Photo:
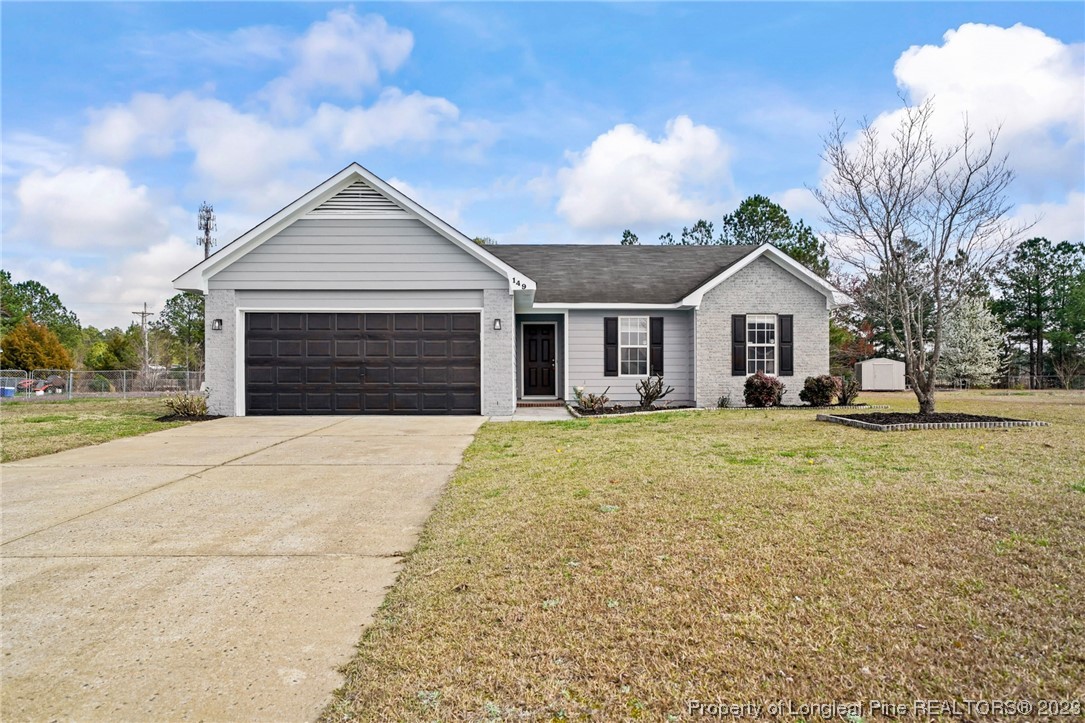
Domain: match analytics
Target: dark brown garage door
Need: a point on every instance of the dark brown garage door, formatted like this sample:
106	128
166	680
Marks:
308	363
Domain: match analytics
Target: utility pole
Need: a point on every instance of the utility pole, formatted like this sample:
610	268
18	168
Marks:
206	224
143	323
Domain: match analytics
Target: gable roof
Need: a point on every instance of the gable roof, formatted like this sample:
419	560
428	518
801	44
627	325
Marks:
651	275
354	192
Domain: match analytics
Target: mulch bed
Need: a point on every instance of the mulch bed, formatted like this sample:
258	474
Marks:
183	418
936	418
902	421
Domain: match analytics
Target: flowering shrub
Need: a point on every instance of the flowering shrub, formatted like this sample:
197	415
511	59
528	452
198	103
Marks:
819	391
763	391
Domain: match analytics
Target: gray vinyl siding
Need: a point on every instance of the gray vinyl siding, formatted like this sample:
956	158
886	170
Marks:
361	300
586	355
358	253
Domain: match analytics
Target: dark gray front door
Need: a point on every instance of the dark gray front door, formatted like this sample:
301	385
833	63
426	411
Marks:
539	355
354	363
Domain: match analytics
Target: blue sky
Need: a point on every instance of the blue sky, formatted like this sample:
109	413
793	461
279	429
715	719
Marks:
530	123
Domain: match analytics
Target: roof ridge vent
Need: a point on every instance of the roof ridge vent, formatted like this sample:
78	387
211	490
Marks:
359	200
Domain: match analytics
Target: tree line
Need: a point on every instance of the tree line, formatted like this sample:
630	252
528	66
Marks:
37	331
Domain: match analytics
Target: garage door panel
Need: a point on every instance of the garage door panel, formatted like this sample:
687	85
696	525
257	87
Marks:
377	348
348	375
289	348
348	403
348	348
290	322
318	322
465	349
318	347
465	323
260	348
359	363
283	374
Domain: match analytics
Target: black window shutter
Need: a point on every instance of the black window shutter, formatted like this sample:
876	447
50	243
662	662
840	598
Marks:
738	345
610	346
655	345
787	346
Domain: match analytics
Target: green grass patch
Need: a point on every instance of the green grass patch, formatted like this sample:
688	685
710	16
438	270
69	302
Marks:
742	557
33	428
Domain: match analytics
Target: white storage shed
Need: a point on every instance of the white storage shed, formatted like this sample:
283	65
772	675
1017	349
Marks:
880	375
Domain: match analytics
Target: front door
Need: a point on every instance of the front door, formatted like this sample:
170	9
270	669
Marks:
539	372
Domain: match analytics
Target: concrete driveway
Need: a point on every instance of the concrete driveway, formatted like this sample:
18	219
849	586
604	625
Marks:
219	571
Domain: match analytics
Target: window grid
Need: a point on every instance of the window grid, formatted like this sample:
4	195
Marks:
633	345
761	344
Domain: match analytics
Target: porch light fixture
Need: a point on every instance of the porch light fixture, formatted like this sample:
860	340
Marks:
216	325
497	325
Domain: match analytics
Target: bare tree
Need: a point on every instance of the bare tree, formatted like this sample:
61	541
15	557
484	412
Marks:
922	223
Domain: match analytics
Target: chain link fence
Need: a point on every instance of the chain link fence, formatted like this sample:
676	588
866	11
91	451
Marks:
76	383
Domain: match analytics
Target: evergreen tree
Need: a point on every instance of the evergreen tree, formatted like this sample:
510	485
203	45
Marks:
971	344
33	346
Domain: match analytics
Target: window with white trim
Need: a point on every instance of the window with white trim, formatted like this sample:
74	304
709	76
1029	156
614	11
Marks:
761	343
633	345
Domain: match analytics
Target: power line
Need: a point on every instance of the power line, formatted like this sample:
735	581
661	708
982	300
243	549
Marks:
143	323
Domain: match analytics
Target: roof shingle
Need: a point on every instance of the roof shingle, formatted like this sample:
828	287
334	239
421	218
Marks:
611	274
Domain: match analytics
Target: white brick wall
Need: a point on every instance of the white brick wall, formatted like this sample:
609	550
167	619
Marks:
763	287
498	359
220	350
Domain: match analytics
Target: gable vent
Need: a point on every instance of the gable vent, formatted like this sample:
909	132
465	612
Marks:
358	199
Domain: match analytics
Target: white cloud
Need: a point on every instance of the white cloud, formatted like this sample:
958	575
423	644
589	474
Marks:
344	53
86	207
624	177
800	203
1056	221
393	118
1030	84
103	291
147	125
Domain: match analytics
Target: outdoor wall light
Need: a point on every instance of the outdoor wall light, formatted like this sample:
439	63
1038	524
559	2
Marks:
497	325
216	325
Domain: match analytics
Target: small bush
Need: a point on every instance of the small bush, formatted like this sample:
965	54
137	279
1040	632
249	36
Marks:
819	391
589	401
763	391
849	390
187	405
723	402
651	390
100	384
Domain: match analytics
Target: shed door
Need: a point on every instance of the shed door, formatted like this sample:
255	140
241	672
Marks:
362	363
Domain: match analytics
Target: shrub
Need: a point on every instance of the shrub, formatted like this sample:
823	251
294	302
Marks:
723	402
651	390
819	391
589	401
849	390
187	405
100	384
763	391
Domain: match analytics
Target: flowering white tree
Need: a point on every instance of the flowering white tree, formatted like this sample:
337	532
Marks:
971	342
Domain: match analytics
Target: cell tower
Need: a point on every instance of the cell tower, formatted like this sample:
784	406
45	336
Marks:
206	225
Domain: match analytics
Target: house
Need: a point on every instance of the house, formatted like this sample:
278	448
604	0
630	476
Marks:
356	300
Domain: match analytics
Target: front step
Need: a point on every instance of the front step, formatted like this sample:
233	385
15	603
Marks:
544	403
